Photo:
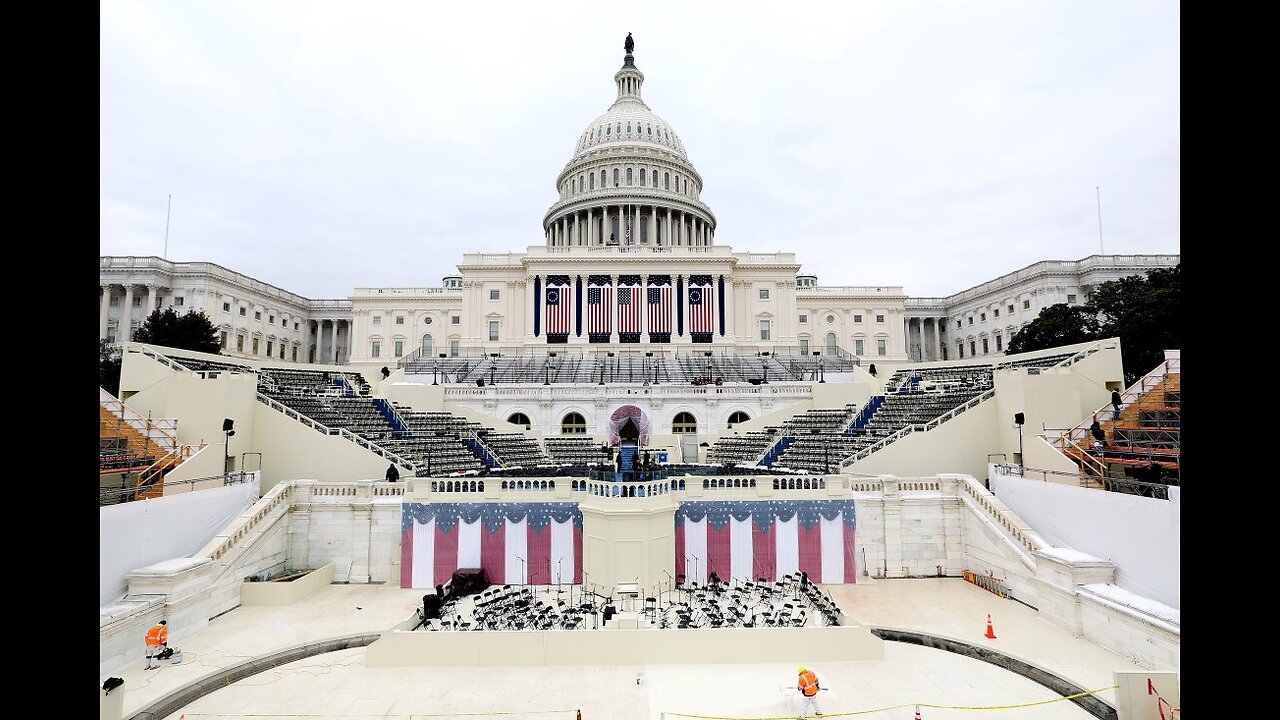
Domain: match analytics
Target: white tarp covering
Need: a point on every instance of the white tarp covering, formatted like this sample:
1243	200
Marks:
1141	536
137	534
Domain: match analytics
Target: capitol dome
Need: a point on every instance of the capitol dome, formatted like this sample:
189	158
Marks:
629	122
629	180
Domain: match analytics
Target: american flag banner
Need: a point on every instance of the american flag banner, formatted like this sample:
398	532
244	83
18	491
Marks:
599	309
559	309
701	309
659	309
744	540
537	543
629	308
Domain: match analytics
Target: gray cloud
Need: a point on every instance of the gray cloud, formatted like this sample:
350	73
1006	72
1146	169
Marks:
323	146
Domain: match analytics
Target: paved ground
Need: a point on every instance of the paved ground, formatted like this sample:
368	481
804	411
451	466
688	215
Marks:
339	686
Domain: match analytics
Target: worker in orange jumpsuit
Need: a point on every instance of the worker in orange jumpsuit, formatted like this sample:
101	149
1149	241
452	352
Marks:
157	638
808	687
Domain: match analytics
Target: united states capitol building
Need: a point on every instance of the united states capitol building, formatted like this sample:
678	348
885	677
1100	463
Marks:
727	467
629	263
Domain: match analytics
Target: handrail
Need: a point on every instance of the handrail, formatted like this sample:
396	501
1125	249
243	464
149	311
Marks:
925	427
1078	437
128	494
341	432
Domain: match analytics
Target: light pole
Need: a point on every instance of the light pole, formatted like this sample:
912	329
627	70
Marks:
822	375
1018	420
435	372
227	430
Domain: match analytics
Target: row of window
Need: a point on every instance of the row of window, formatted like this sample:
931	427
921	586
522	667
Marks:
574	424
859	345
628	177
453	319
256	344
804	318
995	312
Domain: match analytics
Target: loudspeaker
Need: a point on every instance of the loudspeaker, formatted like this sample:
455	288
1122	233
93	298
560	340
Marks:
1019	418
440	591
227	424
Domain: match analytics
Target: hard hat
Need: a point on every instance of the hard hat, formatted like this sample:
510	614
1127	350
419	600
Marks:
802	669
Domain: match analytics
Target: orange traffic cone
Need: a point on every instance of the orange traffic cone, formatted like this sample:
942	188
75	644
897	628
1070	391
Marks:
917	712
990	632
579	715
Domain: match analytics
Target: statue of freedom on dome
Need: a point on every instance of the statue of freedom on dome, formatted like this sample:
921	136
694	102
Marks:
629	45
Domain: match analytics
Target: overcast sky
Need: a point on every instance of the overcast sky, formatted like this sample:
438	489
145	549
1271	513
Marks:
323	146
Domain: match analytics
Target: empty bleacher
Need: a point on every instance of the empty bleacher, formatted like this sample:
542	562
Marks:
513	449
579	450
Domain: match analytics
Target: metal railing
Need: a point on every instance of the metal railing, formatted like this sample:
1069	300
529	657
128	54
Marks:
919	427
115	496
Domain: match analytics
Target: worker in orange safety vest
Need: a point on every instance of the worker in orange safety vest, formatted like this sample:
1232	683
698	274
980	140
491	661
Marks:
808	686
157	638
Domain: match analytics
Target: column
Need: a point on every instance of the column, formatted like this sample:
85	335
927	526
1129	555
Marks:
590	218
604	232
150	305
653	225
564	230
333	342
937	339
670	239
124	332
102	314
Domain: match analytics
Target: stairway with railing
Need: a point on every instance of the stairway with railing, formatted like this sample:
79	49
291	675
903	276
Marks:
1144	443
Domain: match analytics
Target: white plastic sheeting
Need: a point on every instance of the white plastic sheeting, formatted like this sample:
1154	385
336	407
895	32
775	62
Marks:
137	534
1141	536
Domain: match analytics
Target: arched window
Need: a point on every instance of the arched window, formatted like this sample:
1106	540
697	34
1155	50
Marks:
684	423
644	175
573	424
616	175
582	183
519	419
629	176
655	178
738	417
666	181
593	181
426	345
831	343
603	179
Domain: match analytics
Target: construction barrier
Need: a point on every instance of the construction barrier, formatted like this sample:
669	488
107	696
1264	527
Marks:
989	583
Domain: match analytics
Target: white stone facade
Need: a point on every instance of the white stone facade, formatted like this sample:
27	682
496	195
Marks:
979	322
255	320
628	218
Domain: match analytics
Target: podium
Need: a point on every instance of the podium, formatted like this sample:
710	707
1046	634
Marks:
628	615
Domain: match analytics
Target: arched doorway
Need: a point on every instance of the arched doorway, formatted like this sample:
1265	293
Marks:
831	343
426	345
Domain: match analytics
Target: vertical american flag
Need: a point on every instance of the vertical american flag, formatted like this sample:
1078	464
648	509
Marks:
660	309
701	315
600	309
559	309
629	309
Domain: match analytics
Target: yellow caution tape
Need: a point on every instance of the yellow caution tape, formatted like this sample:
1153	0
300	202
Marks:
898	707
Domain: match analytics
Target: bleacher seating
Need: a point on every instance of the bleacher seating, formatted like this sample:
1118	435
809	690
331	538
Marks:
511	449
573	450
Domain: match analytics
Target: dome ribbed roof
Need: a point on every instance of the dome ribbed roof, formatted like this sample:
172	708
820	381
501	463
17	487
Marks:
629	122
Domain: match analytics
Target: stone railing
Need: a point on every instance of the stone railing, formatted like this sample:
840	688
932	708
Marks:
268	508
1003	518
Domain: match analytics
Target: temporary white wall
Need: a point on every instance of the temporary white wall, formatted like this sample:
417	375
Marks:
136	534
1140	535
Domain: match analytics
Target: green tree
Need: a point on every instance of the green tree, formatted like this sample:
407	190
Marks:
190	331
1145	313
109	367
1055	326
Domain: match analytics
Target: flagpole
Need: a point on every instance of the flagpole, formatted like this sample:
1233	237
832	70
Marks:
1098	191
166	227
